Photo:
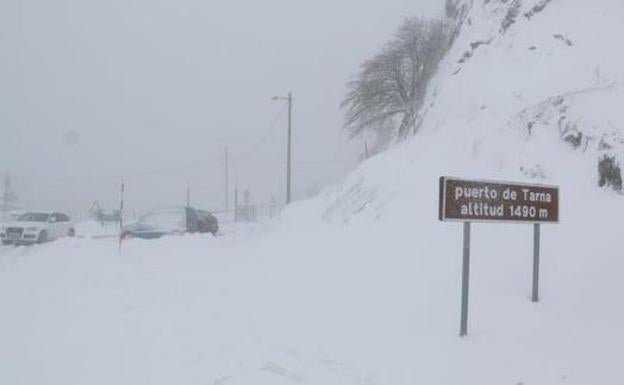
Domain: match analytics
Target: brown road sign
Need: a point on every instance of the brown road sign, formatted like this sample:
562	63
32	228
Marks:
487	201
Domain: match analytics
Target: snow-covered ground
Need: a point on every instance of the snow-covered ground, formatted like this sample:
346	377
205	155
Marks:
305	301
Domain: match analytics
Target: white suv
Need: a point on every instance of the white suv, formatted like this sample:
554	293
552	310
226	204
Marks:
37	227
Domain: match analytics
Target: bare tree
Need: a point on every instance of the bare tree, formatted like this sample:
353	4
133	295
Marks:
451	8
390	89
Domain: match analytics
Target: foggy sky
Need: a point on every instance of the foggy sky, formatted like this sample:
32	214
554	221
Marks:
151	92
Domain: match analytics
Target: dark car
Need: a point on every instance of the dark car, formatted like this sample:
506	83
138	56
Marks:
176	220
208	223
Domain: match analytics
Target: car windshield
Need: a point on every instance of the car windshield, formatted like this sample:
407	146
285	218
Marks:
167	220
34	217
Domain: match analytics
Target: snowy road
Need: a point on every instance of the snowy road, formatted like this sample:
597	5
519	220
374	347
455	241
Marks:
311	303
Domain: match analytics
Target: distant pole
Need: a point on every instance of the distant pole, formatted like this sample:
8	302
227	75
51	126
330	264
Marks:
6	196
289	156
188	195
236	204
121	209
463	328
121	203
227	193
536	262
289	99
366	149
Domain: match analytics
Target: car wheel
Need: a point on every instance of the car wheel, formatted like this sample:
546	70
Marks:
71	233
43	237
6	243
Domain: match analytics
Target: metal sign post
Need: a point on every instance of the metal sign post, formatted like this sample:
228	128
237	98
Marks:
536	262
463	329
470	201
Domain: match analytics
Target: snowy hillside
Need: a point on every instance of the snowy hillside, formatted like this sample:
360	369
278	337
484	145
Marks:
530	89
361	285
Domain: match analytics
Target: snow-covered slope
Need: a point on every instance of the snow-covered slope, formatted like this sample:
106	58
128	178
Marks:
531	89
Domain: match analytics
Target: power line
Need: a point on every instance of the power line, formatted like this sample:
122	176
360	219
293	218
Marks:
173	169
264	136
217	160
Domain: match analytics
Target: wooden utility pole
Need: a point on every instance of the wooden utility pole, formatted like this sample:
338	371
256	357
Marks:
6	193
7	196
227	171
289	99
289	156
121	214
236	203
